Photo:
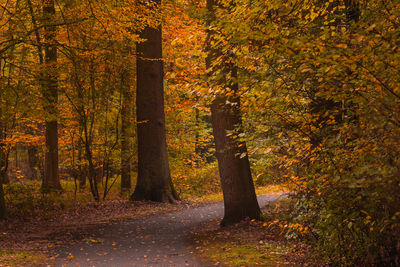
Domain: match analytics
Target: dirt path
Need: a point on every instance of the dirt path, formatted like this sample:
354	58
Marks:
157	240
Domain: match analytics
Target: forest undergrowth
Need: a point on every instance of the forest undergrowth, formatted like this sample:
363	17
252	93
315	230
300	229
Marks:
266	242
303	93
37	222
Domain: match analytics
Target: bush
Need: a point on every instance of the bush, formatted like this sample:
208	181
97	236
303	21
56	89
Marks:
198	181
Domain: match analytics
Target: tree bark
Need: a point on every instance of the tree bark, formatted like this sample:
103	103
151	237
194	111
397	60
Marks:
3	211
51	180
154	180
3	171
240	200
4	151
82	173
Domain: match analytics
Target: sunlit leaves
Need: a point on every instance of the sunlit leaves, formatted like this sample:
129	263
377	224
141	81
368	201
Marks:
323	79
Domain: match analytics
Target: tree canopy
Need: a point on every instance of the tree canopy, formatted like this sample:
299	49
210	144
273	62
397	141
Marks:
314	86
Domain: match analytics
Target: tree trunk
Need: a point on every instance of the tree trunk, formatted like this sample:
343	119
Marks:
234	169
3	171
4	153
154	180
240	200
51	179
126	124
82	173
3	211
91	171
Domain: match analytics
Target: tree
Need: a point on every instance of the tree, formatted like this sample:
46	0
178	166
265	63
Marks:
98	71
3	211
240	200
324	80
51	180
3	167
3	170
154	180
10	86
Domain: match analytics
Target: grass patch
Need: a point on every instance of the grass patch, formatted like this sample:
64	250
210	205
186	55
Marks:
22	258
255	243
237	252
271	189
215	197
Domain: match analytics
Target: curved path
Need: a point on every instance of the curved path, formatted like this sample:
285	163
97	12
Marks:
156	240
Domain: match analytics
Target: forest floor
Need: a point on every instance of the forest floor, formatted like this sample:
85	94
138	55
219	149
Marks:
156	240
117	233
256	243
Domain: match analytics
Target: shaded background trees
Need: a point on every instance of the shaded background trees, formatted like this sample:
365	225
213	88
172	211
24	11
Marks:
94	74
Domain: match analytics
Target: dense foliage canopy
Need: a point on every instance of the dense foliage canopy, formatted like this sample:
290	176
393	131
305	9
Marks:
319	83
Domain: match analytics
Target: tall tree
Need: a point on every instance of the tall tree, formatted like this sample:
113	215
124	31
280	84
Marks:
240	200
3	170
10	82
154	180
3	210
51	180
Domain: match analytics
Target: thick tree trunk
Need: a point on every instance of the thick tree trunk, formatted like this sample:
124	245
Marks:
51	179
126	133
154	180
237	184
240	200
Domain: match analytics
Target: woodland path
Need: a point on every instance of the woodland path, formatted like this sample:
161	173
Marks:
156	240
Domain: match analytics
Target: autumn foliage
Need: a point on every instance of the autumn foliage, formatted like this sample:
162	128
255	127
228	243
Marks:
319	84
322	83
